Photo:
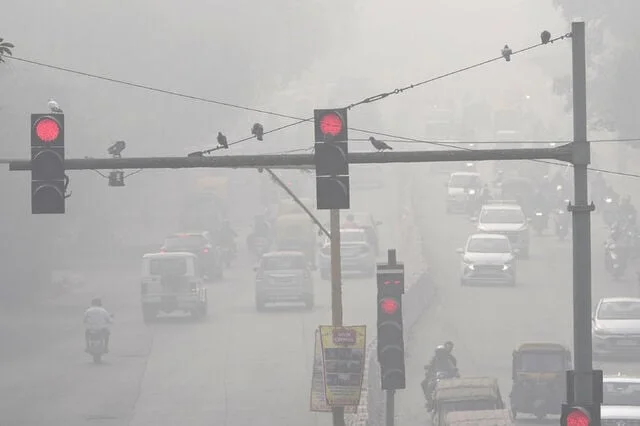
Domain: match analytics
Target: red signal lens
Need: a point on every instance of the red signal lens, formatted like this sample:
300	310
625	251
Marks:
389	306
47	130
331	124
577	418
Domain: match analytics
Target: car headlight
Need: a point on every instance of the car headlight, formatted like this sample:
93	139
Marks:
472	191
538	213
608	200
506	267
469	265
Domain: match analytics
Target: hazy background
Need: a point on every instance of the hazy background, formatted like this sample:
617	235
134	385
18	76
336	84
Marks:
281	55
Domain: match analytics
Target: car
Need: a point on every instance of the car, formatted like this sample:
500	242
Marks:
201	244
619	415
461	187
367	222
171	282
487	258
616	327
621	390
507	218
284	276
356	254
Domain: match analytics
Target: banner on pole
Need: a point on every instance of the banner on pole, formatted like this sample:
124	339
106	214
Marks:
318	395
343	356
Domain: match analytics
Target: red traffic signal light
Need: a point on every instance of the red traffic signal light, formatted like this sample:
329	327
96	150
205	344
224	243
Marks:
331	124
578	417
389	306
47	129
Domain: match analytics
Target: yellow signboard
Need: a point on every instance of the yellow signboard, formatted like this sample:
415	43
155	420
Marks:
318	395
343	355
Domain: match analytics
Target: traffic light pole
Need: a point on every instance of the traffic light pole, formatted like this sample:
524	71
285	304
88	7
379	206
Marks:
390	394
582	344
336	292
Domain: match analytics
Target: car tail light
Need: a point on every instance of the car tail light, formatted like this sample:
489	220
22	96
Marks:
143	288
205	250
163	250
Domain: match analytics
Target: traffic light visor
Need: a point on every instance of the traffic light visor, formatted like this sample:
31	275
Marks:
389	306
578	417
47	130
331	124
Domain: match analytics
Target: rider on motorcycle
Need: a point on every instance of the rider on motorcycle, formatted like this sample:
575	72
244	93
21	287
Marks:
97	318
627	212
442	361
449	347
227	234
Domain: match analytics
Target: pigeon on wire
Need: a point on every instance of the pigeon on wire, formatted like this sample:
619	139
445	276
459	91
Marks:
506	53
222	141
545	37
379	145
54	107
258	131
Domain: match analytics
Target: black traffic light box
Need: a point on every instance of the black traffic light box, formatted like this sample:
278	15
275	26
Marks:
390	280
47	164
331	159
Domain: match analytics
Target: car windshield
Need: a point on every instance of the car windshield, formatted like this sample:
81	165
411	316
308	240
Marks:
621	393
488	245
352	237
185	242
619	311
168	266
278	263
512	216
463	181
542	362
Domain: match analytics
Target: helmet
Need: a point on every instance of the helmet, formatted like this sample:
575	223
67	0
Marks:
96	301
441	350
448	345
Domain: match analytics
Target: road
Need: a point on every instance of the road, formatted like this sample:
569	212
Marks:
488	323
236	368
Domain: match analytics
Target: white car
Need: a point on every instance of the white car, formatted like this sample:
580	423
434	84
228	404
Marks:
621	391
461	188
619	415
507	218
356	254
487	259
616	327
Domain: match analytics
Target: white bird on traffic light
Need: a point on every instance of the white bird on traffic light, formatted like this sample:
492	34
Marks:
54	107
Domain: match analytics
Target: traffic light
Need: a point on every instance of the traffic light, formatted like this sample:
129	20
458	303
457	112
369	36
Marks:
47	164
331	159
587	415
390	326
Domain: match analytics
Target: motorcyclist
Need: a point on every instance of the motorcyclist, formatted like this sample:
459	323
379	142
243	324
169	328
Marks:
540	201
449	347
442	361
227	234
97	318
627	211
261	227
485	194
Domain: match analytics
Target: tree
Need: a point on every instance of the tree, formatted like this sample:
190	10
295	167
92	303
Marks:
613	62
5	49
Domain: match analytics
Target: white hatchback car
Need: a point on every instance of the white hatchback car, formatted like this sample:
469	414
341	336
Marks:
488	259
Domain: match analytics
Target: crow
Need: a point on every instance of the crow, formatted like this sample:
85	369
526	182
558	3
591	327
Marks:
379	145
222	140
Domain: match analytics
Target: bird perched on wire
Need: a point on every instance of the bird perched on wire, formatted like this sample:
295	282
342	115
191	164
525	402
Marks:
54	107
258	131
545	37
222	140
379	145
506	53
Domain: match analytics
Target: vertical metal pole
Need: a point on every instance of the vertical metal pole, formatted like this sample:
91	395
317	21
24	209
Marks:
390	408
583	362
336	292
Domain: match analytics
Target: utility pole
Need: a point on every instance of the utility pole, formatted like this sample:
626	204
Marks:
336	292
581	391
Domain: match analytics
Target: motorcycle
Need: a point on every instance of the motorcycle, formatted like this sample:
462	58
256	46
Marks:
472	201
539	222
229	253
615	259
97	346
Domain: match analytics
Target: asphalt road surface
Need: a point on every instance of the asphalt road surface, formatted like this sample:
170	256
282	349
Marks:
238	367
488	323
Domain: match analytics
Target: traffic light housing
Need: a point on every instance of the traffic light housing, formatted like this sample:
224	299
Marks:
331	159
390	280
47	164
585	415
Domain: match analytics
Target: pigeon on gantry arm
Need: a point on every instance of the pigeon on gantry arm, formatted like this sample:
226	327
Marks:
222	141
54	107
379	145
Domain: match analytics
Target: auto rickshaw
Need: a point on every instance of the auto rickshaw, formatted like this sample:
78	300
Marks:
520	189
538	375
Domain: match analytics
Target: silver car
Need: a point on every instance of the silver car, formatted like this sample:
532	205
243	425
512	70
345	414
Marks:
284	276
621	391
619	415
616	327
356	254
488	259
507	218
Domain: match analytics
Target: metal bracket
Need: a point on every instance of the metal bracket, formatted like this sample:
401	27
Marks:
581	208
